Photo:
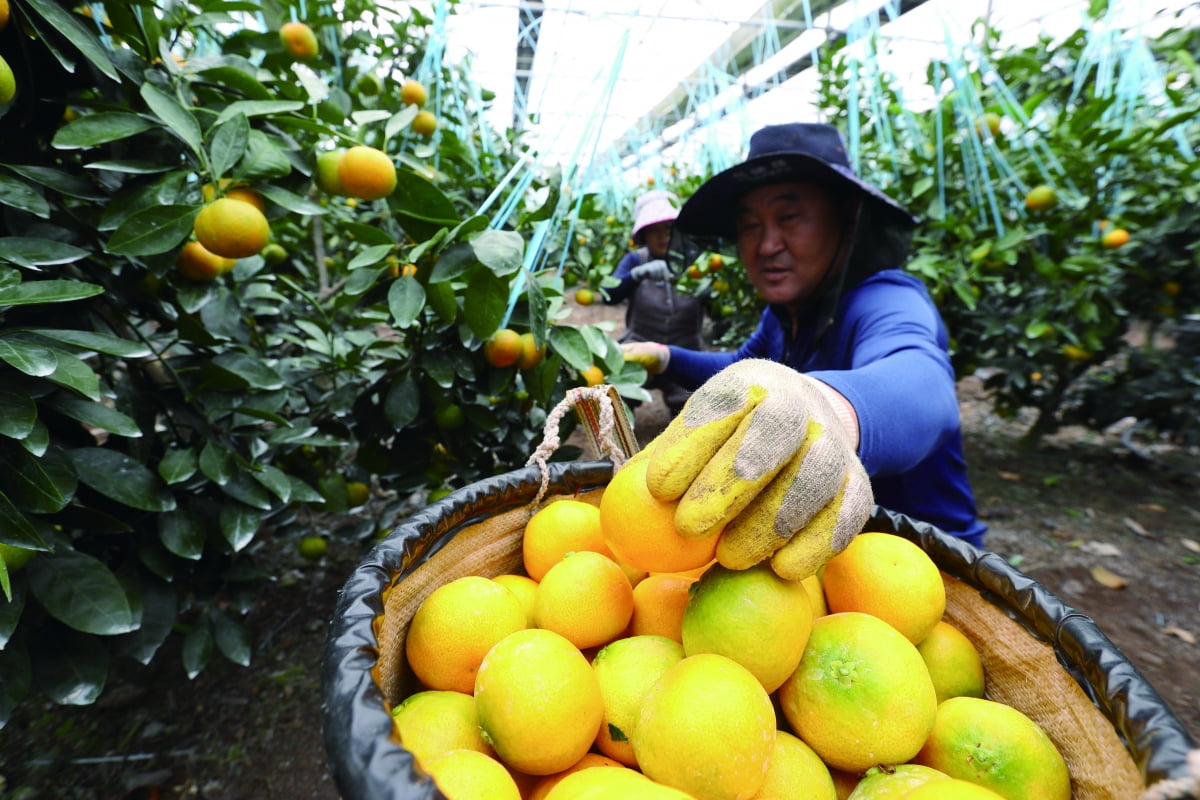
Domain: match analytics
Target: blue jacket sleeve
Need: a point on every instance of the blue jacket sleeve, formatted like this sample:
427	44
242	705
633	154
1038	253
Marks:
615	294
898	377
693	367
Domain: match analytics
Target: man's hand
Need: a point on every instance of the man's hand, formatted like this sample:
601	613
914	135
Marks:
760	456
651	355
655	270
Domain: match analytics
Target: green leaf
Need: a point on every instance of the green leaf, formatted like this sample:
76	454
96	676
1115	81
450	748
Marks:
50	291
94	414
177	118
501	251
402	403
27	251
99	128
249	371
239	522
66	24
229	138
569	342
258	108
72	373
371	255
216	463
177	465
39	486
264	159
276	480
18	530
484	303
421	206
233	638
59	181
80	591
18	413
443	301
10	614
453	262
290	200
38	439
128	166
303	493
241	80
182	532
159	608
117	476
241	487
197	650
406	298
94	341
152	230
32	359
20	195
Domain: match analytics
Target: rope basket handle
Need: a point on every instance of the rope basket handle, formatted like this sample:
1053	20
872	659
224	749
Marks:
608	431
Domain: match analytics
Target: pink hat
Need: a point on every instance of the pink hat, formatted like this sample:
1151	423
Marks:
652	208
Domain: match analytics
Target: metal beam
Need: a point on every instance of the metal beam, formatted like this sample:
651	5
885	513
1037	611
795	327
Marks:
529	28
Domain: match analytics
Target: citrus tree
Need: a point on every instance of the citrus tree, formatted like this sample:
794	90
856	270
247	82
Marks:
1055	219
241	266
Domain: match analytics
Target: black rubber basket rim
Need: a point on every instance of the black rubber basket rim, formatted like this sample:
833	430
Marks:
367	764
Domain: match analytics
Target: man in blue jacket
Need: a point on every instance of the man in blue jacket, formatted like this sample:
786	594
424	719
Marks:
846	376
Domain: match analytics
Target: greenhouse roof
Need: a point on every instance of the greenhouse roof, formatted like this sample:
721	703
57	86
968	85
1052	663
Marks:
586	78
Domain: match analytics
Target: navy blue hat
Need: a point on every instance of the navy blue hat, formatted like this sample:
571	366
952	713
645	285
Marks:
794	151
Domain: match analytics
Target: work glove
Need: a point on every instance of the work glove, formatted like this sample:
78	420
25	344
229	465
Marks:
654	270
760	456
651	355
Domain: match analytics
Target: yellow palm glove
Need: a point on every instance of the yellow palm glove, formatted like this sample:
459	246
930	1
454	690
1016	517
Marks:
651	355
760	456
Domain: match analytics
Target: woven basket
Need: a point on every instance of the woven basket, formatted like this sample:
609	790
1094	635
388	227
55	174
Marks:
1042	657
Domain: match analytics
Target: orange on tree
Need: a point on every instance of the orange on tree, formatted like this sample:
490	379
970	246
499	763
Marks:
1114	238
592	375
585	297
425	123
1041	198
503	348
299	40
232	228
367	173
4	14
1172	288
198	263
8	83
357	493
715	262
531	354
368	84
274	253
989	122
412	93
312	548
325	175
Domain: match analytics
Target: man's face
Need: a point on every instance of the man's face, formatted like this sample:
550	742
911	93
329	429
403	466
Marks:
788	235
657	238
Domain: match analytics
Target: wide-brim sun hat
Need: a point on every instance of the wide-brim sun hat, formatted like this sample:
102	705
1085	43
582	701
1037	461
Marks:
796	151
653	208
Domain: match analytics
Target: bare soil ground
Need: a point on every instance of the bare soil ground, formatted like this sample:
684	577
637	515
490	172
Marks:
1111	533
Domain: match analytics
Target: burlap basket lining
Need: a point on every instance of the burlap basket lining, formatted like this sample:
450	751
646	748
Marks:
1020	670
